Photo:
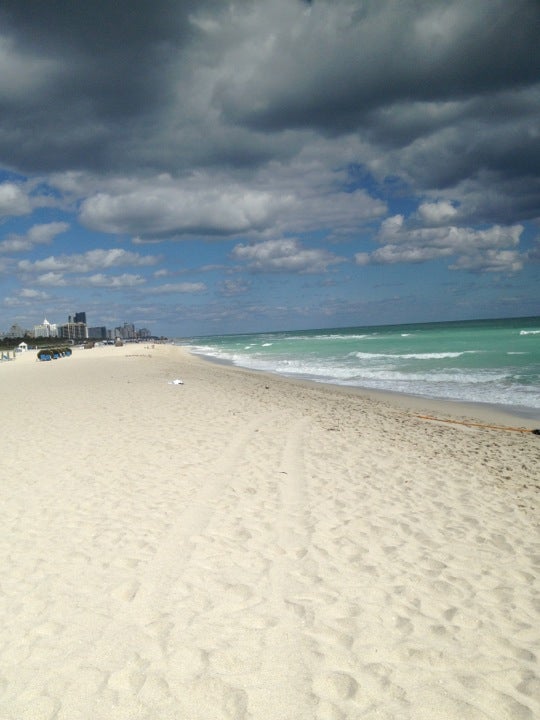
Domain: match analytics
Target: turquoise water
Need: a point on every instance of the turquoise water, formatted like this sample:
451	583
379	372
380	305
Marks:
486	361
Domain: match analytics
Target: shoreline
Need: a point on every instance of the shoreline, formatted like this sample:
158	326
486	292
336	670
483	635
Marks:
242	546
485	412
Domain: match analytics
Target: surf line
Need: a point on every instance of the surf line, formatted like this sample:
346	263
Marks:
481	425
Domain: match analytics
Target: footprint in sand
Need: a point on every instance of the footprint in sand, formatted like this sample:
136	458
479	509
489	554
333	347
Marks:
155	691
41	707
335	686
218	699
131	677
49	629
126	591
328	711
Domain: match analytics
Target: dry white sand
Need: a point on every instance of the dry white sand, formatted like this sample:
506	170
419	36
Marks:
245	547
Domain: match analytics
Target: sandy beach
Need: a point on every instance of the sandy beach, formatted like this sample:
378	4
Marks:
245	547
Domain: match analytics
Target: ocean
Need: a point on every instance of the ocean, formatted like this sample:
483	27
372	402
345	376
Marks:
482	361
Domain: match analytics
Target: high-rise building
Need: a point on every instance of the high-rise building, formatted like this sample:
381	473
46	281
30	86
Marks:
46	329
73	331
15	331
97	333
126	332
75	328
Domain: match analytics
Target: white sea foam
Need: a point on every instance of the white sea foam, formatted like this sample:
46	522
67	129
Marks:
479	371
485	386
412	356
209	350
342	337
456	378
480	386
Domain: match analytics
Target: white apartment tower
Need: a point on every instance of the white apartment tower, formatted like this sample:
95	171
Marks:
46	329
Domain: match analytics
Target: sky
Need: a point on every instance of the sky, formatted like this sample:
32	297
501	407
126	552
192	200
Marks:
203	166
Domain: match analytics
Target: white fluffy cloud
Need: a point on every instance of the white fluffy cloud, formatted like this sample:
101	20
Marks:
284	255
51	279
101	280
283	199
231	288
171	211
112	281
476	250
33	294
435	213
41	234
87	262
13	200
26	298
490	260
184	287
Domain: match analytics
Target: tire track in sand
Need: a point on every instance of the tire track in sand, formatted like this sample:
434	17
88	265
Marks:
134	652
175	549
288	654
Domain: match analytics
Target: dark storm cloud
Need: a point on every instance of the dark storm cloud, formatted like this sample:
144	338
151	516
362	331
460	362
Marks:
442	93
341	65
89	79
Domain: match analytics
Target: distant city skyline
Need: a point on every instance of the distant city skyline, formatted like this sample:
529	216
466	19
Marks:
235	167
76	327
